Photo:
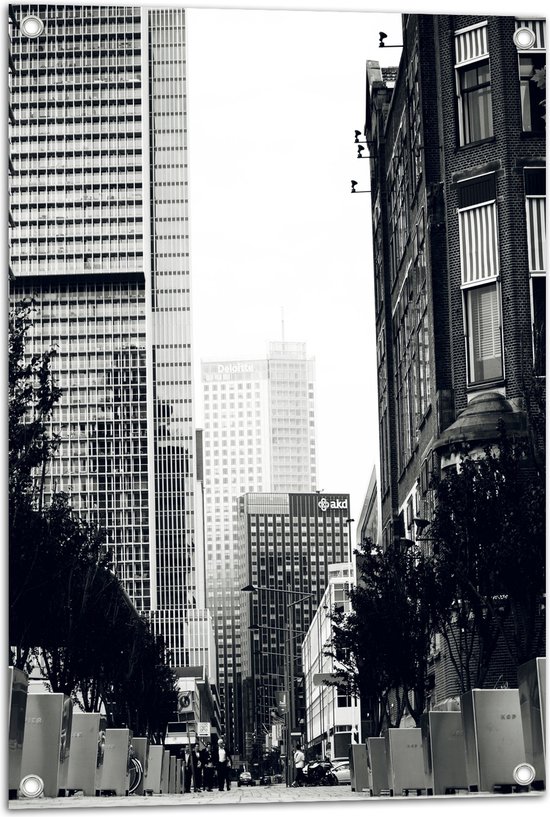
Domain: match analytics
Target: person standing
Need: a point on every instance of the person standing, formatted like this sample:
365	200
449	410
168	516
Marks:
224	767
196	769
187	770
299	763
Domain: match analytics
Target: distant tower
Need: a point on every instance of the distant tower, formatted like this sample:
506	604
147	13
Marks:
259	435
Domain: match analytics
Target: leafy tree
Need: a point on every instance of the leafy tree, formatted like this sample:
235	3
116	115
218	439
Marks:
382	646
68	611
488	537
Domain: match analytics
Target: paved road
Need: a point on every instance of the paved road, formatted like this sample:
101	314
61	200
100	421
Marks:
266	795
278	793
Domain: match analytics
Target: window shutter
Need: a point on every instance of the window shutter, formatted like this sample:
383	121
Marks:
536	233
478	244
485	323
538	27
471	44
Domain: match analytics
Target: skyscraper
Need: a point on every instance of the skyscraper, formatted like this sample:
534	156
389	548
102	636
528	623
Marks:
259	436
99	242
288	543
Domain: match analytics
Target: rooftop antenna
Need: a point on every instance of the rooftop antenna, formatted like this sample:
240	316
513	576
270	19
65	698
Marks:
283	323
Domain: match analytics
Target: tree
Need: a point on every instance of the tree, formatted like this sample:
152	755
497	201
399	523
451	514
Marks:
67	610
382	646
488	539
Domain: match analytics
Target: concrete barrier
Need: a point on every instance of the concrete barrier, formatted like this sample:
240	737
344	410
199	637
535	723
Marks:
493	737
444	752
113	775
17	708
359	767
47	740
153	777
141	749
82	771
165	776
532	699
378	766
406	761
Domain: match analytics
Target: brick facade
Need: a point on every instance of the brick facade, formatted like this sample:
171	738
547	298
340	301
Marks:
431	69
429	55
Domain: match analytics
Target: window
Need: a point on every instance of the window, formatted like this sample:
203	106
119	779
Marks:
532	94
479	271
473	84
483	329
530	62
535	201
538	310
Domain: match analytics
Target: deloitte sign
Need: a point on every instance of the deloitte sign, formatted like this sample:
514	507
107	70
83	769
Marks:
326	504
235	368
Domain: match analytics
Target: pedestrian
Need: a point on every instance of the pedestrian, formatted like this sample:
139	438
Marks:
187	770
299	763
207	767
224	767
196	769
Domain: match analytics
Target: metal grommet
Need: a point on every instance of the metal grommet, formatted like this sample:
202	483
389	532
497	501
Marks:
524	774
31	785
524	38
32	26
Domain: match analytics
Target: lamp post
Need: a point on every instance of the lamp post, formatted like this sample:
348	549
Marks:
289	666
348	522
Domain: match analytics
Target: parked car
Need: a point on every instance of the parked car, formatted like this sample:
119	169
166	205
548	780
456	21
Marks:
245	779
340	770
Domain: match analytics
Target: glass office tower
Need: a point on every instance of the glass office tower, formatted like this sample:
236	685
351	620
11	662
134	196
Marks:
99	243
259	435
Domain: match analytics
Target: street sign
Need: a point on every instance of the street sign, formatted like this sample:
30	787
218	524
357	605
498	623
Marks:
203	729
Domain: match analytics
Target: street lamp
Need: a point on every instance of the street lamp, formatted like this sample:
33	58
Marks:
348	522
289	667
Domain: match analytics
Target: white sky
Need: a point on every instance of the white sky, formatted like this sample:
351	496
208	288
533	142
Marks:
274	100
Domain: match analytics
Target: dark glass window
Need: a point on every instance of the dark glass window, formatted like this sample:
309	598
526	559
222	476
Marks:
538	295
476	108
532	95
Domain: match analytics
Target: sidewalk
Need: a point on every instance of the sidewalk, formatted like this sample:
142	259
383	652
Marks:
278	793
264	795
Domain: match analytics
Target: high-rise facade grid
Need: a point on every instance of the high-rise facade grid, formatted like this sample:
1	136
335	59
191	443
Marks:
99	243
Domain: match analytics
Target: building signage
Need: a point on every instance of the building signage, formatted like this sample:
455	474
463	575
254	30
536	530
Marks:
235	368
333	504
203	729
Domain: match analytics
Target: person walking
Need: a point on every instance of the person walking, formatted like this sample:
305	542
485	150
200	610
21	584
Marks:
196	769
224	767
299	763
207	767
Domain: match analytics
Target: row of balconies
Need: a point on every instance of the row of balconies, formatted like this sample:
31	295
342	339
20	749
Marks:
56	231
93	111
70	127
104	197
71	180
76	85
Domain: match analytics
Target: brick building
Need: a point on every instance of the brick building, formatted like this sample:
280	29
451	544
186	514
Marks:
456	138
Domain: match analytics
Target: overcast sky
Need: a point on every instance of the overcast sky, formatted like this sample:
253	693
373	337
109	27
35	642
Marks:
276	235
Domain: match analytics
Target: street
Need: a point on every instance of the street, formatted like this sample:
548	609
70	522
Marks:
323	796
